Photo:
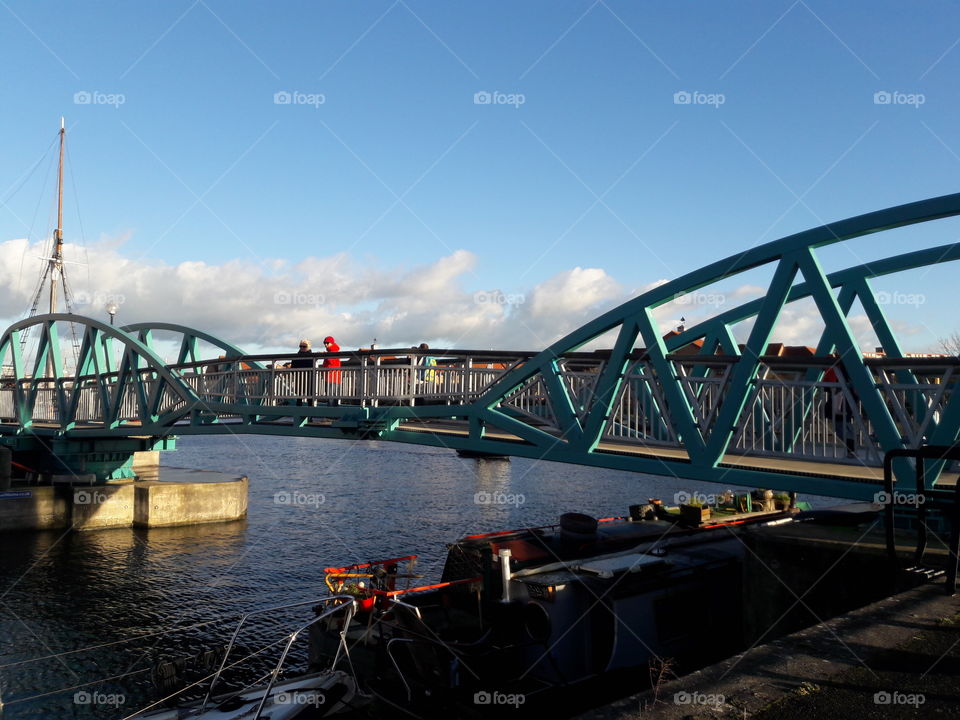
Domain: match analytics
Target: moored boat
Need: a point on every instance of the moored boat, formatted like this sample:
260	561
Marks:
521	613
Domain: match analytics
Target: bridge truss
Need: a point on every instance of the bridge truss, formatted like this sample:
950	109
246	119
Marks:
695	404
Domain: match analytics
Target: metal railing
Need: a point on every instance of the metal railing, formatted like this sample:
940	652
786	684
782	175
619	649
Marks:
785	414
925	499
340	603
788	412
367	380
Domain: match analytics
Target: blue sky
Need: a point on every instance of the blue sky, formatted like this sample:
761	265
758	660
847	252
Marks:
384	190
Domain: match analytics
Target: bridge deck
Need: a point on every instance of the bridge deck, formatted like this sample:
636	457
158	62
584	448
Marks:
837	471
853	471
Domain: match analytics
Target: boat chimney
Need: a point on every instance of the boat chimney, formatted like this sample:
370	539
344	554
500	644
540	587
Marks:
505	573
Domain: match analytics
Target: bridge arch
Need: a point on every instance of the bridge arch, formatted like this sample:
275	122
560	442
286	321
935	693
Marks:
582	421
712	415
116	378
190	339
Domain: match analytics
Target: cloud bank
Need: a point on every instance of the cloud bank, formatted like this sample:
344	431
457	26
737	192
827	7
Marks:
268	306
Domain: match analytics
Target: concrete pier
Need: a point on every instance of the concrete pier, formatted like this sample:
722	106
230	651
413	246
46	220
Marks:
161	498
161	503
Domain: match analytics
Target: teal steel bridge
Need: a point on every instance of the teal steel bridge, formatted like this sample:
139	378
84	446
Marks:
694	405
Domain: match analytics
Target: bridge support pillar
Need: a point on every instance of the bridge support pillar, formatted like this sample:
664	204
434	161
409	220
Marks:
89	461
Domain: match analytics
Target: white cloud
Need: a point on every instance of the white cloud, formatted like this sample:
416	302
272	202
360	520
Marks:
269	305
748	291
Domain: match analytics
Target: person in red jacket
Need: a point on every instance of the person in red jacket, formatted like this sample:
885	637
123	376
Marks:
837	409
330	345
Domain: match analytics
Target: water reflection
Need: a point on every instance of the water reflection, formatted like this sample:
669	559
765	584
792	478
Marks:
61	592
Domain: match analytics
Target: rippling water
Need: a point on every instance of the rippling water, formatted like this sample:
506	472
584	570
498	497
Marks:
313	504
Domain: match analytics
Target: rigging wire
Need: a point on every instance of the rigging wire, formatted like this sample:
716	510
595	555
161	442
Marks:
143	670
27	175
49	269
76	200
38	288
36	210
204	679
117	642
76	196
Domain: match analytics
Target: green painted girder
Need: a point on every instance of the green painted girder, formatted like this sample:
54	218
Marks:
854	284
797	274
189	341
137	362
562	453
838	279
794	254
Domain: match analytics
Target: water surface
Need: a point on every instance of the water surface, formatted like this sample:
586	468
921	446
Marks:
313	504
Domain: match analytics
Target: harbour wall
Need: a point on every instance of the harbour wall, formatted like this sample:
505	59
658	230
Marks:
166	498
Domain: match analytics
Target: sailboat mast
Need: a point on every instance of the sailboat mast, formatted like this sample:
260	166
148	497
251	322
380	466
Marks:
56	262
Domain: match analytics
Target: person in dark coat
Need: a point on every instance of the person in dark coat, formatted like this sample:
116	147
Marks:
305	381
305	350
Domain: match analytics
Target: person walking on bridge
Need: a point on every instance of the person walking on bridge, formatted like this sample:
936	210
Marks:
332	377
306	351
305	382
426	376
838	409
